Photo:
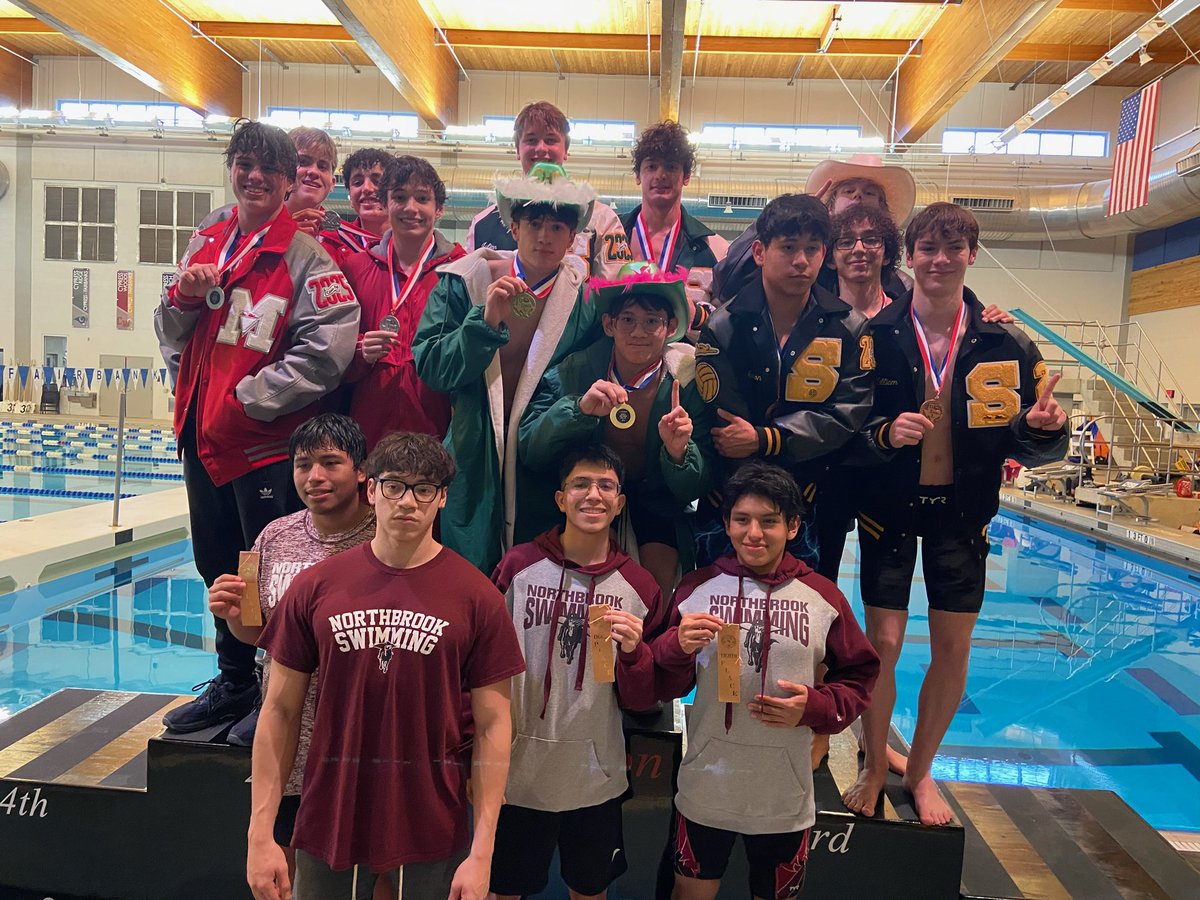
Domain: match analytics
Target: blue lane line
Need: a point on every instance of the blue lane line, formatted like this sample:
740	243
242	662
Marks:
5	490
99	473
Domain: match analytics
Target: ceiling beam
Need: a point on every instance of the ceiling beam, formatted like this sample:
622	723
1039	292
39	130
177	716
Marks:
16	81
1146	7
1086	53
709	44
402	46
951	66
670	62
21	25
148	41
271	31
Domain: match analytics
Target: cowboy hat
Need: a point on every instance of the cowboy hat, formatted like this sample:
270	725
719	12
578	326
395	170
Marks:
643	279
896	181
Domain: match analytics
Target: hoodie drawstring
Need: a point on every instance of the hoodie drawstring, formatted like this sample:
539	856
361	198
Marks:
560	610
766	639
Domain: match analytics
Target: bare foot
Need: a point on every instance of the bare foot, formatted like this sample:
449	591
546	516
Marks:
928	799
862	796
897	761
820	749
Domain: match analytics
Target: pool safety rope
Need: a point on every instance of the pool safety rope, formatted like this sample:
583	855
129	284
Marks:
68	495
97	473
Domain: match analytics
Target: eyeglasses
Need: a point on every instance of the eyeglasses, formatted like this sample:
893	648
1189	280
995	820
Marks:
651	324
395	489
608	487
869	241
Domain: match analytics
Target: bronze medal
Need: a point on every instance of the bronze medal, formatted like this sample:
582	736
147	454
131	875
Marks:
932	409
390	323
524	305
215	298
622	416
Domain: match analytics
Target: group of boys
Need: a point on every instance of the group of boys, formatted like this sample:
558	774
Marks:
476	379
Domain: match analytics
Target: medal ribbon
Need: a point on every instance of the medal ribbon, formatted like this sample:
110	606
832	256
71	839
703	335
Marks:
642	233
936	373
399	297
224	261
355	236
542	288
640	380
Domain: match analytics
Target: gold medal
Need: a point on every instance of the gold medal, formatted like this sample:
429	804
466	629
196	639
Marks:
524	305
932	409
622	416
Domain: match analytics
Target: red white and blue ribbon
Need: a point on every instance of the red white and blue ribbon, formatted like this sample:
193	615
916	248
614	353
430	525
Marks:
398	296
640	380
936	373
542	288
642	233
227	260
354	236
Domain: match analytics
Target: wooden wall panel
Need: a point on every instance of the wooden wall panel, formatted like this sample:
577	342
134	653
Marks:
1174	285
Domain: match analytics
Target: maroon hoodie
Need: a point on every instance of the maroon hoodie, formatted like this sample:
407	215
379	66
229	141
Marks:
568	745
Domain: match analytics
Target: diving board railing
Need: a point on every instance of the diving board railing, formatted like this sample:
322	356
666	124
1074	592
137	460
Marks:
1114	375
1110	363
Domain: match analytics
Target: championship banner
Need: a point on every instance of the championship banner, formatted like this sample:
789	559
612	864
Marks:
124	300
81	298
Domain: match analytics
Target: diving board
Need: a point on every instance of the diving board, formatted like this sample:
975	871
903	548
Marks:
1122	384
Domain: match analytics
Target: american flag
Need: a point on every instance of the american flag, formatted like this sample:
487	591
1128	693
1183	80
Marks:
1135	143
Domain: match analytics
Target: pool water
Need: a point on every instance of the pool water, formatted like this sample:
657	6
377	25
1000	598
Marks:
1085	671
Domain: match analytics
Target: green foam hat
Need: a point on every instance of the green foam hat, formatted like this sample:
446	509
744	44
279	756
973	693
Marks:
546	183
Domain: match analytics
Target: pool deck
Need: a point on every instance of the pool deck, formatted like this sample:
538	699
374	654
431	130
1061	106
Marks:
57	544
1170	544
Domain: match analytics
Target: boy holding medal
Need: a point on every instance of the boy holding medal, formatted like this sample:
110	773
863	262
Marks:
393	281
494	324
634	390
258	326
573	594
749	632
362	173
955	396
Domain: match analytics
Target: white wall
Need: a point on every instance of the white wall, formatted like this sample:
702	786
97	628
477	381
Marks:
8	266
1173	334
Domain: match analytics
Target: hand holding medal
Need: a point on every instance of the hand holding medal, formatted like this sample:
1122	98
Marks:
498	305
199	280
602	398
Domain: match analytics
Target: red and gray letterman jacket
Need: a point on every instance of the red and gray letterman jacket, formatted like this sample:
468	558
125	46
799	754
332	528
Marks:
251	371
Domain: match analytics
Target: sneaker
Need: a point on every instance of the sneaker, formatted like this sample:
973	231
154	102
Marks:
220	702
242	734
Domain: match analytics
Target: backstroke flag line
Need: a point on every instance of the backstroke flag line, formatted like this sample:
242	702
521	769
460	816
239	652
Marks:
1135	144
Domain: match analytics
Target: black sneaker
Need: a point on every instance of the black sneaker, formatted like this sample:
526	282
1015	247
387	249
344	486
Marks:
242	734
220	702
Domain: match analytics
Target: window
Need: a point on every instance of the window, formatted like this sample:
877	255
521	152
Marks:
782	137
1029	143
166	221
80	223
169	114
399	125
595	131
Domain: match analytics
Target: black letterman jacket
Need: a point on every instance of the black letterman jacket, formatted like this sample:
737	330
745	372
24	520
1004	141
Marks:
805	402
996	379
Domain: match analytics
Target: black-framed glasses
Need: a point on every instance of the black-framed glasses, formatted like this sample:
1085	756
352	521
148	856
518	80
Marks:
869	241
395	489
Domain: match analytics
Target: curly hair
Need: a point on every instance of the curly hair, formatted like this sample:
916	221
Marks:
667	141
366	159
878	221
402	170
416	455
269	145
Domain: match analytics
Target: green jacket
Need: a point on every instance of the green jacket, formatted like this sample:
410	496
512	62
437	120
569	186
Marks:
553	423
456	351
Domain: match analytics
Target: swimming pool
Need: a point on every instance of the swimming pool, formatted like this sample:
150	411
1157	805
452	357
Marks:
1085	670
47	467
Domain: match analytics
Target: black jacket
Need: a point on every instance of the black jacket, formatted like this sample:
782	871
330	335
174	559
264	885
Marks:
995	381
806	402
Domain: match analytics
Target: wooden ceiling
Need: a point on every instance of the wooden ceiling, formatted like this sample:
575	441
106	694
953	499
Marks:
1040	41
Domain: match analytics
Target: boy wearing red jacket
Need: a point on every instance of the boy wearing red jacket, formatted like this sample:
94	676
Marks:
747	769
567	776
393	280
257	327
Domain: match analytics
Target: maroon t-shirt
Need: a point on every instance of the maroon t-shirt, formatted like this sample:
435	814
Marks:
383	785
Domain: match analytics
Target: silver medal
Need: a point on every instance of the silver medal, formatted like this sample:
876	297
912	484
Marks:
215	298
390	323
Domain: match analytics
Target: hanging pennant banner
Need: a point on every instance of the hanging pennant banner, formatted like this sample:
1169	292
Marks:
124	300
81	298
91	374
